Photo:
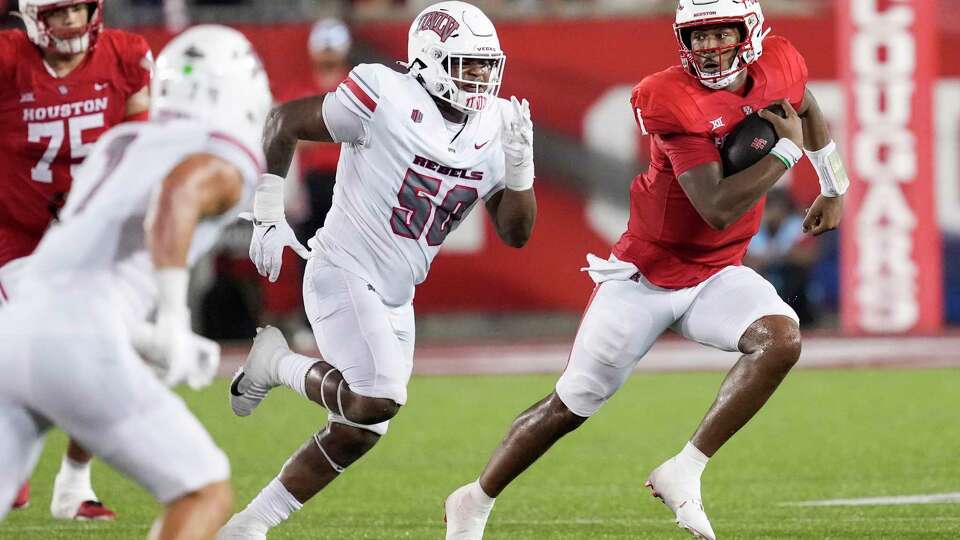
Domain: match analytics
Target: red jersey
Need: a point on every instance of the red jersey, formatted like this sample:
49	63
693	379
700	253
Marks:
49	124
666	238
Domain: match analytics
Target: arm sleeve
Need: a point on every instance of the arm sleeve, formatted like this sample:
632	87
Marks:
688	151
344	125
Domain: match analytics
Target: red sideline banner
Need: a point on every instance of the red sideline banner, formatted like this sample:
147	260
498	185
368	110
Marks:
890	245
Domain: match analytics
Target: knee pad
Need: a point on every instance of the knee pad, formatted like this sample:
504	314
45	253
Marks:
582	394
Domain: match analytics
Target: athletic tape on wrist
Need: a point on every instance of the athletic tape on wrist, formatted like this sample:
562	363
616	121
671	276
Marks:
520	178
172	288
830	170
268	199
788	152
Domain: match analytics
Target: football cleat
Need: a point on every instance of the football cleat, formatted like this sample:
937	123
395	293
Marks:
94	510
23	497
259	373
242	528
74	505
77	502
680	491
465	519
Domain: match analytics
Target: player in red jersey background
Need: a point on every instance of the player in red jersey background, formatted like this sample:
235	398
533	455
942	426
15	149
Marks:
63	83
678	265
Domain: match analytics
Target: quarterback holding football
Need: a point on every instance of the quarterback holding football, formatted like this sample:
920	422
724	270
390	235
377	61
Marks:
678	265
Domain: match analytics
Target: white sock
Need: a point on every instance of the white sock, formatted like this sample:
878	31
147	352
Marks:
479	496
74	475
273	505
292	371
693	459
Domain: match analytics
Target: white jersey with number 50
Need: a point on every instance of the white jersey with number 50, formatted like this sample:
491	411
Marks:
406	177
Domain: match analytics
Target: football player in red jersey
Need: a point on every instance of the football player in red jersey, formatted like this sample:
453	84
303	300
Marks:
65	81
678	265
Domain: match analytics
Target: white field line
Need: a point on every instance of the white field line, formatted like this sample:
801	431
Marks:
939	498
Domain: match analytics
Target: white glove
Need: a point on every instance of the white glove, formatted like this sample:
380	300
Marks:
271	233
517	140
147	340
168	346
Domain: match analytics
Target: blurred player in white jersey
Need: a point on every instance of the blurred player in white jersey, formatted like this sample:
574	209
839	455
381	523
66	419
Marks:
420	149
147	202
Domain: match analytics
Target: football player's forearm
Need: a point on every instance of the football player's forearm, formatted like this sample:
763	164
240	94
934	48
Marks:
737	194
516	215
279	143
816	133
171	230
301	119
201	186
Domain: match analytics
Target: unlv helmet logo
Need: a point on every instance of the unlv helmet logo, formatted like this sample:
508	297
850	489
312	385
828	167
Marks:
440	23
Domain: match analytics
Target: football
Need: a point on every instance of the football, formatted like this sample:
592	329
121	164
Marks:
749	142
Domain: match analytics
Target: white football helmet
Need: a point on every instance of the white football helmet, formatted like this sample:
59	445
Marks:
211	73
745	14
444	36
73	42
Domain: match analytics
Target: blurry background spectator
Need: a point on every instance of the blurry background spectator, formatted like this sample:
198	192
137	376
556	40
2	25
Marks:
782	254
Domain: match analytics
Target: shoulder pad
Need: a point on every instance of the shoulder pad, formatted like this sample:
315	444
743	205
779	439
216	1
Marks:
785	65
665	103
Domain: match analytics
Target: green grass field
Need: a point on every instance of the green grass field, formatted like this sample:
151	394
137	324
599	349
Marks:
826	434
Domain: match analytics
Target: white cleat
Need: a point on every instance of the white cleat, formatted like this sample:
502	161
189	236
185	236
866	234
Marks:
242	528
680	491
259	373
465	518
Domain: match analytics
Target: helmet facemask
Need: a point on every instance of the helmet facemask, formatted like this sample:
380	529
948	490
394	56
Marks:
466	94
68	41
745	52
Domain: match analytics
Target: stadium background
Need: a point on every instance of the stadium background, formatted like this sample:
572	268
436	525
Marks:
488	309
576	62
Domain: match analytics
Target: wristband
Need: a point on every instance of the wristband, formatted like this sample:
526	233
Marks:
520	178
268	199
830	171
172	288
788	152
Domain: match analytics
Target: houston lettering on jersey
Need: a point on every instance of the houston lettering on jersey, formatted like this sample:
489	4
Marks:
66	110
466	174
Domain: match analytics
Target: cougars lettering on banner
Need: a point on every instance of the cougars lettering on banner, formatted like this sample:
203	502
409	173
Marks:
891	275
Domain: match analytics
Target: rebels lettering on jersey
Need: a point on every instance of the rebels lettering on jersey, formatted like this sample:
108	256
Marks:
406	182
49	124
666	237
447	171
